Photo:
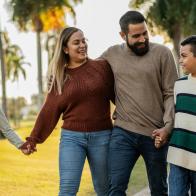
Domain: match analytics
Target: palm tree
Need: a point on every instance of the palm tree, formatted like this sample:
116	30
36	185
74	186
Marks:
14	60
4	102
12	67
27	15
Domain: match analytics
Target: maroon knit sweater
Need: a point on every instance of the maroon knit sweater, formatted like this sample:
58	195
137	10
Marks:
84	102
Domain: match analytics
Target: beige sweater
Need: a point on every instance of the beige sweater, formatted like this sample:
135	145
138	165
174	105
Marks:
144	88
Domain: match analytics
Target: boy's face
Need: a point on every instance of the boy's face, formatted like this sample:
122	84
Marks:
187	59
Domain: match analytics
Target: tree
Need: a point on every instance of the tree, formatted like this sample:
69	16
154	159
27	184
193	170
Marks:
175	17
12	66
28	15
15	107
3	84
54	20
14	60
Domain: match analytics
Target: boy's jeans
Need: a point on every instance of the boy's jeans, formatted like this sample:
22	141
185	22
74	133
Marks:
74	148
181	180
125	149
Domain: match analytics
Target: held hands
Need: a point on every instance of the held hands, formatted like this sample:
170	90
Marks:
161	137
28	148
158	142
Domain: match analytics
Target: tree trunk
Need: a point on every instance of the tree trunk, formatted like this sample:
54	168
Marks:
3	77
176	41
39	68
14	112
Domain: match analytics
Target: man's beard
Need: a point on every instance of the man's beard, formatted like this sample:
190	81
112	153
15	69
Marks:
139	51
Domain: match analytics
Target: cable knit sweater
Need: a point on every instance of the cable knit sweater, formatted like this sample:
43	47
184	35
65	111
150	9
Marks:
84	102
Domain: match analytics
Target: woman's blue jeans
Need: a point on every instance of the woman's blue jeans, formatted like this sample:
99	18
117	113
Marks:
181	180
75	147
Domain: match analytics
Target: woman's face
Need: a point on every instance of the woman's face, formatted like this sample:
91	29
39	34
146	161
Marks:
76	47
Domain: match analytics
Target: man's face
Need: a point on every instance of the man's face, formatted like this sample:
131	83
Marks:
137	38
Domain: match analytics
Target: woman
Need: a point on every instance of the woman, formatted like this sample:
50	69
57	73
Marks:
80	89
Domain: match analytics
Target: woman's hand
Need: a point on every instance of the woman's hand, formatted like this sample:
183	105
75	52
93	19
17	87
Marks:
28	148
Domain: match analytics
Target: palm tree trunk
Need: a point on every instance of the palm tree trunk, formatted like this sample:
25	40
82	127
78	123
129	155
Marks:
3	77
39	68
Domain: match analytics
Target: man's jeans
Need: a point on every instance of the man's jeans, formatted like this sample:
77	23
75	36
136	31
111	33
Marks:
181	180
125	149
74	148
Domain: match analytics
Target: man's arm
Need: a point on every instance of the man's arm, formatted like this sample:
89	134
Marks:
168	78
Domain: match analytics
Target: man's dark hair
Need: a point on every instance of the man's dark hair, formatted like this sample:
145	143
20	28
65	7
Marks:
191	40
130	17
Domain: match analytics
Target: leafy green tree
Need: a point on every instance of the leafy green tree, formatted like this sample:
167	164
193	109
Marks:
175	17
27	15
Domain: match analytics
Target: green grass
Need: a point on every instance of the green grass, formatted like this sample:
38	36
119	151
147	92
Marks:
37	174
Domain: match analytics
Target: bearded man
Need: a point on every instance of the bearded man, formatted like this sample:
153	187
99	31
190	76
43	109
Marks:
144	75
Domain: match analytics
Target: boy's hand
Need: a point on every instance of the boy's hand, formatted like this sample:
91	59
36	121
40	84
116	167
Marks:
161	137
158	142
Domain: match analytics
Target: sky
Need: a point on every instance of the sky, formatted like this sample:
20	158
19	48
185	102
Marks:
98	19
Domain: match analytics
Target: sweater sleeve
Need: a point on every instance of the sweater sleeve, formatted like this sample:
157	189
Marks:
175	94
47	118
108	78
169	76
7	132
110	82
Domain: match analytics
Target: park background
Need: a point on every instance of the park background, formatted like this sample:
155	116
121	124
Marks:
28	31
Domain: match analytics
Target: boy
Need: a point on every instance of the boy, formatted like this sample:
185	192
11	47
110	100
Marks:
182	145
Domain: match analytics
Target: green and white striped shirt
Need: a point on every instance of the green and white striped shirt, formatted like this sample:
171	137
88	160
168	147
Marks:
182	145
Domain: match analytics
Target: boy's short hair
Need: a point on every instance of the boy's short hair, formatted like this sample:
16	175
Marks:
191	40
130	17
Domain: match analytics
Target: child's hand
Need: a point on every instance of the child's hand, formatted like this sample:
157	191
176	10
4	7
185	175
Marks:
158	142
161	137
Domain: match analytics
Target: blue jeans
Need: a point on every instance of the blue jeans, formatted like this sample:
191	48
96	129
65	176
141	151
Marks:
181	180
125	149
75	147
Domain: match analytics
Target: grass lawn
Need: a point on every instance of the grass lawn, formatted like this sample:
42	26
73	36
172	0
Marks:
37	174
